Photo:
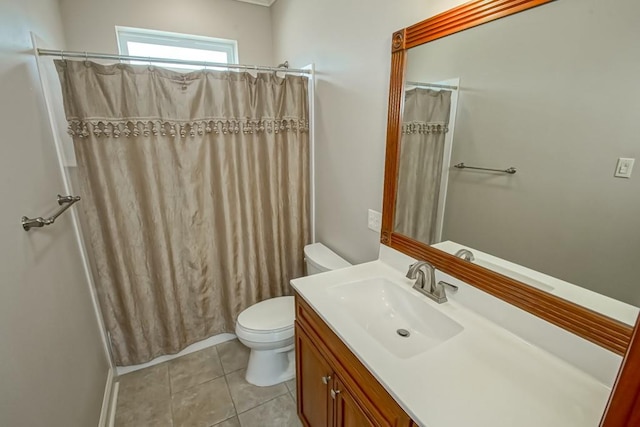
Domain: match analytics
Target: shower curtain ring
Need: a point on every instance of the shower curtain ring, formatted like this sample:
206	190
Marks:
62	54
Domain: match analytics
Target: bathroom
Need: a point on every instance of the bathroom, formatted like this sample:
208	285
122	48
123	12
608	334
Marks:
537	320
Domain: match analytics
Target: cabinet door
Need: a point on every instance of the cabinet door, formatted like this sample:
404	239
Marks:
347	411
313	381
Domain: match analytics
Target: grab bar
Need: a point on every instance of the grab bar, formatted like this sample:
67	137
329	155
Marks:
64	201
510	170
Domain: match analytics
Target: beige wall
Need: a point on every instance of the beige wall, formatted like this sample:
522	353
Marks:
89	25
561	105
350	44
53	367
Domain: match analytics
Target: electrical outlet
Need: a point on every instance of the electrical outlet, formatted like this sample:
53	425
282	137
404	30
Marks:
374	220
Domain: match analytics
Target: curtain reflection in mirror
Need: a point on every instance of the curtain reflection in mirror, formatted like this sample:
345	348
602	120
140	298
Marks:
425	123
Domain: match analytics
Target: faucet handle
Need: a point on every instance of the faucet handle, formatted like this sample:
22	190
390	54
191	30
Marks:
454	288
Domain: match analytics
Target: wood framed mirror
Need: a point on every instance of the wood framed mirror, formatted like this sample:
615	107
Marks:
597	326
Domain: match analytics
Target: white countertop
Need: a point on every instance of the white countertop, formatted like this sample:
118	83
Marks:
483	376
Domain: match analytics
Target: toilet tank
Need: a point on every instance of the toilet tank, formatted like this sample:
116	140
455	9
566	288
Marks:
320	258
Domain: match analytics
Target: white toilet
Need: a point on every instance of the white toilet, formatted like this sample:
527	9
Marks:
267	327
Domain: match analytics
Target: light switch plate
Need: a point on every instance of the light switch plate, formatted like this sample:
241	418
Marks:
624	167
374	220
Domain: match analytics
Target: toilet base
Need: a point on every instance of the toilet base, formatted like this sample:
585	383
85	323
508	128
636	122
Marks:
271	367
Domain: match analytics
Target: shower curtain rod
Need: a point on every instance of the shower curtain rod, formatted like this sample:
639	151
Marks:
435	85
92	55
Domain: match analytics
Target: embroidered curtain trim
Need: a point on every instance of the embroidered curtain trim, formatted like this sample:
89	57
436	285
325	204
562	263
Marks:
156	127
417	127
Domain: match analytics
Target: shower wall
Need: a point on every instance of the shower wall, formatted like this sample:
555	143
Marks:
54	367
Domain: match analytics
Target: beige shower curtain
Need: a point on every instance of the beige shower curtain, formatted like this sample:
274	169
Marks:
195	194
425	123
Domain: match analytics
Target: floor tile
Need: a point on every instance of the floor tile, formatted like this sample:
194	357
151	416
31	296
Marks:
145	384
233	355
144	398
203	405
291	386
195	368
152	413
279	412
247	396
231	422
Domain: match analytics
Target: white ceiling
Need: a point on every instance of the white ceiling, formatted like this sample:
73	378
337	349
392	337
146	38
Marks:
266	3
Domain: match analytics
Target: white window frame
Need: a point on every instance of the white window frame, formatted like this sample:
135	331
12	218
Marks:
165	38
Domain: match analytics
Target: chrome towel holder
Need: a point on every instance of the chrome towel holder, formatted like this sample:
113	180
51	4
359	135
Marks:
64	201
510	170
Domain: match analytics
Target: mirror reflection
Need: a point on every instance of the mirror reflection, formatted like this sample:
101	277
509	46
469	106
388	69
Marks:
543	96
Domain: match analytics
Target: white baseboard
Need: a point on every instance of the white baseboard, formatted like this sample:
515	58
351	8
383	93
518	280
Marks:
114	403
200	345
109	401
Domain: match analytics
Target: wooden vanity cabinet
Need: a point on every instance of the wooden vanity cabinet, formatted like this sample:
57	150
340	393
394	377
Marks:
334	388
347	412
314	391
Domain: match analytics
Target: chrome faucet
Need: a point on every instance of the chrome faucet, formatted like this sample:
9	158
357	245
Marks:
425	275
465	254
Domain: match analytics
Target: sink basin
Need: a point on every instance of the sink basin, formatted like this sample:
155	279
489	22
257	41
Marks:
386	312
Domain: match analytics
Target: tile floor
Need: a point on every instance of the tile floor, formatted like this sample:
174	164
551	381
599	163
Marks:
204	389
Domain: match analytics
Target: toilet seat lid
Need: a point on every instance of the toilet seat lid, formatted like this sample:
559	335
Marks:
269	315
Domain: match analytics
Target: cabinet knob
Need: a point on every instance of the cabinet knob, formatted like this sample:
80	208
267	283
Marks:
326	379
334	393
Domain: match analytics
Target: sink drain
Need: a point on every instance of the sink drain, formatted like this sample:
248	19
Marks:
403	333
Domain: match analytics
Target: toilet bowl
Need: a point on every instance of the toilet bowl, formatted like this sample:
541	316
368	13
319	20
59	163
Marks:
267	327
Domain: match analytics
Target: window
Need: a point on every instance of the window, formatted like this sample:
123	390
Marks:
160	44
